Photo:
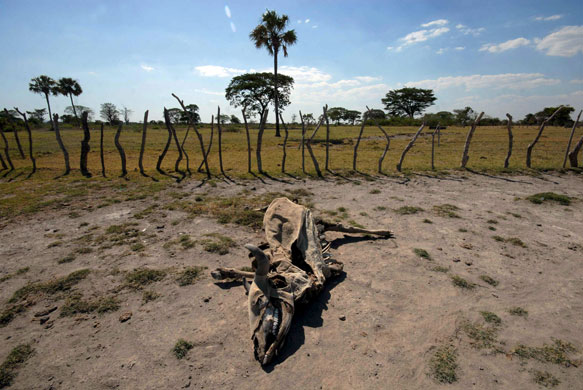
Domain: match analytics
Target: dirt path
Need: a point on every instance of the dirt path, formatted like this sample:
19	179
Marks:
376	327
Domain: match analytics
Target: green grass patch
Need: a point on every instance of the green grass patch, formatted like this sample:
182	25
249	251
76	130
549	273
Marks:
8	314
15	359
544	378
491	281
550	197
556	353
181	348
51	287
217	243
189	275
67	259
443	364
462	230
518	311
149	296
375	191
408	210
140	277
422	253
458	281
446	210
491	318
74	304
355	224
439	268
481	336
427	221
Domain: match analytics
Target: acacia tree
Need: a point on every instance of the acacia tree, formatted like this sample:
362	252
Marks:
44	85
351	116
464	115
192	111
255	91
408	101
80	110
37	116
336	114
69	87
271	34
109	113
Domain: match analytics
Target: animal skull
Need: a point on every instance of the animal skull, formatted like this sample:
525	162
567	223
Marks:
293	271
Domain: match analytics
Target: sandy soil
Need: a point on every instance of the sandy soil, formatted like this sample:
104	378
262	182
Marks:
376	327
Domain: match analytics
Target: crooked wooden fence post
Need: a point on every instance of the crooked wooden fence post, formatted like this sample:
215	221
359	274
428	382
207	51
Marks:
101	152
302	144
259	140
26	125
571	138
364	117
386	146
409	146
184	151
143	144
540	132
284	143
179	159
573	154
465	156
85	148
4	166
15	131
510	138
168	141
61	145
325	109
199	136
208	149
433	147
122	153
220	134
6	149
309	147
248	141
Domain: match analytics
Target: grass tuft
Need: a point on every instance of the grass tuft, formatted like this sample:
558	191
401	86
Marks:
446	210
481	336
518	311
491	318
545	378
140	277
18	356
551	197
458	281
217	244
408	210
189	275
422	253
51	287
181	348
443	364
491	281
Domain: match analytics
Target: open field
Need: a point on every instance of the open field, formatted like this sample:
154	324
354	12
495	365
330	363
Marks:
480	286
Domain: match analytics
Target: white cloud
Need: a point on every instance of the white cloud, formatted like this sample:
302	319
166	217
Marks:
496	81
233	28
423	35
315	26
566	42
147	68
548	18
367	79
576	81
304	73
511	44
218	71
228	11
441	51
92	73
307	21
299	21
467	30
438	22
459	48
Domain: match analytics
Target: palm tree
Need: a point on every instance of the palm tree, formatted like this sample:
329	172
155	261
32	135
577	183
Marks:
69	87
271	35
44	85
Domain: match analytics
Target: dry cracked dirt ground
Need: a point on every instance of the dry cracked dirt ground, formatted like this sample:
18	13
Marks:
479	287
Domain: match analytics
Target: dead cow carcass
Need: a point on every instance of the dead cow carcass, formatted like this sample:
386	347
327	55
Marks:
293	270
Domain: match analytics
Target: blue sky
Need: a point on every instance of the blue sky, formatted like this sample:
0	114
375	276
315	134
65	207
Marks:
495	56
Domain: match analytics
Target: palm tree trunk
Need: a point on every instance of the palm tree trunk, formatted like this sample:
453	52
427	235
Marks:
50	113
248	142
276	93
74	110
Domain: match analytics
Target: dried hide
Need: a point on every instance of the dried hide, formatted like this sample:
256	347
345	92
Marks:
293	270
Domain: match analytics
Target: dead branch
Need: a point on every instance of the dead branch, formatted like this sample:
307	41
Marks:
85	148
465	156
364	116
26	125
193	124
179	159
409	146
386	146
248	141
6	150
573	154
284	143
510	138
101	152
122	153
309	147
4	166
571	138
326	165
143	144
540	132
259	140
208	150
15	131
433	146
303	143
168	141
220	133
61	145
184	151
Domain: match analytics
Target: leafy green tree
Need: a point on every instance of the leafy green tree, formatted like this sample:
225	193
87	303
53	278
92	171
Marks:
225	119
69	87
80	110
109	113
37	116
443	118
271	34
529	119
308	119
235	120
126	112
351	116
44	85
408	101
255	91
563	117
175	114
375	114
465	115
193	110
336	114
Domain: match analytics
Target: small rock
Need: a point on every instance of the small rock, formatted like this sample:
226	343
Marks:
342	318
160	227
456	260
468	262
45	312
125	316
207	299
44	320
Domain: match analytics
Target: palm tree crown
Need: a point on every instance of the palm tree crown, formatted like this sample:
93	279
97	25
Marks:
43	85
68	86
